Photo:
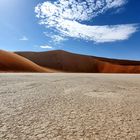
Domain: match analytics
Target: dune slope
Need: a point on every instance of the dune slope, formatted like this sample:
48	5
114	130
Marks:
11	62
69	62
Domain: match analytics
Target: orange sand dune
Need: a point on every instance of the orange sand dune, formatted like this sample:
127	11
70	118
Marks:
69	62
11	62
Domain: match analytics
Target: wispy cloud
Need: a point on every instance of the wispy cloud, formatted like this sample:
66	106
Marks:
46	47
97	33
55	38
24	38
66	17
58	38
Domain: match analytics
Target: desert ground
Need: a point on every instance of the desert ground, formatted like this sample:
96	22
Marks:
60	106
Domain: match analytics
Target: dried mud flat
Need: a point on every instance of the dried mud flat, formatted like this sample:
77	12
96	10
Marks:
69	107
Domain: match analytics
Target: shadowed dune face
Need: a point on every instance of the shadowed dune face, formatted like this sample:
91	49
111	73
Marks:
69	62
54	61
11	62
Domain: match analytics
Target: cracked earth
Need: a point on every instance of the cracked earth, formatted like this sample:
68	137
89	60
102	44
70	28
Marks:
69	107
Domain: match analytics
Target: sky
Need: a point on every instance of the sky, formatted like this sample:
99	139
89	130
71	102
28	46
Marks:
105	28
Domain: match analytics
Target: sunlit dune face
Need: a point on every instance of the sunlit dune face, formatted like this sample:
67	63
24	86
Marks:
16	63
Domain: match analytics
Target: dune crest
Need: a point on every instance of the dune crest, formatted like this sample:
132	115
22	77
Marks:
70	62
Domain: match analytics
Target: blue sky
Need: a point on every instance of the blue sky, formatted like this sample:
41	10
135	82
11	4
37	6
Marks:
107	28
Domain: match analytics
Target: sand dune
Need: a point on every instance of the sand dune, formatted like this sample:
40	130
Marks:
69	62
11	62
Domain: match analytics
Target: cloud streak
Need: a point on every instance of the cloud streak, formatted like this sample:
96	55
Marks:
46	47
97	33
66	16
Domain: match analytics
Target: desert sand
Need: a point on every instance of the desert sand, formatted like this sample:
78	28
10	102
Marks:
62	61
69	107
11	62
70	62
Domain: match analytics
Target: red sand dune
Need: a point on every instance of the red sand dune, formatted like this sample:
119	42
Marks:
11	62
69	62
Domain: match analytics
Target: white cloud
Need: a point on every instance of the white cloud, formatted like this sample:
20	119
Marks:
24	38
58	38
75	9
66	16
46	47
97	33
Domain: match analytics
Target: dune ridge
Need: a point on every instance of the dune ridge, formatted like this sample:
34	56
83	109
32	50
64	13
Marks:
70	62
11	62
62	61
